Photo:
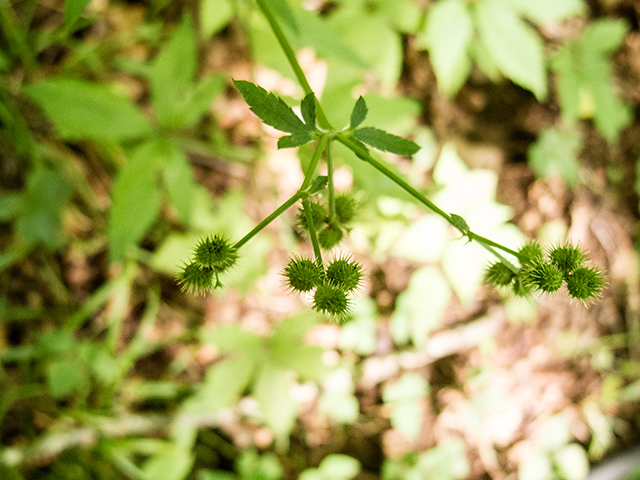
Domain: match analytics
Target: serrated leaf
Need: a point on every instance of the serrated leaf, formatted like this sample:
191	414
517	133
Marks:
308	109
173	71
271	109
135	200
513	45
81	109
295	140
541	11
387	142
448	34
178	179
359	113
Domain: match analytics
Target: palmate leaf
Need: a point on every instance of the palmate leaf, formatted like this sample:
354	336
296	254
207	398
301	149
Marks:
387	142
271	109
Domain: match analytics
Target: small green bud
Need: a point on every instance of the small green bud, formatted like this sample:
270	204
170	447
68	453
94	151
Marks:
499	274
567	258
330	236
216	252
585	284
344	273
303	274
529	252
331	300
346	208
543	276
195	278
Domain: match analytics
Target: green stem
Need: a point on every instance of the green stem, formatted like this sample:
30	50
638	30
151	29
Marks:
313	164
363	153
332	195
490	243
293	61
279	211
312	230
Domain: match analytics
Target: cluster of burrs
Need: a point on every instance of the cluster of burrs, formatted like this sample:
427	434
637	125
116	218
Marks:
547	272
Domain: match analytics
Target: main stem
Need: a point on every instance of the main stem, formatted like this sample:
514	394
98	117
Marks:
293	61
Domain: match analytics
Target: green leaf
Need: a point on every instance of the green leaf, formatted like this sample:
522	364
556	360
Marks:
337	466
135	199
448	34
178	179
308	109
555	153
224	384
65	377
460	223
171	463
81	109
605	35
214	16
514	46
197	101
572	462
385	141
10	206
282	9
318	184
73	9
295	140
568	66
359	113
541	11
271	109
173	72
46	195
278	407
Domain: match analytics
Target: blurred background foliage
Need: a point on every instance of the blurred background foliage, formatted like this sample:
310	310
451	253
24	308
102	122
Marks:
122	141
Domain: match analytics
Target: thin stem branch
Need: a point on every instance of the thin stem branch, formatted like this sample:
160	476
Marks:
363	153
313	164
308	213
279	211
332	194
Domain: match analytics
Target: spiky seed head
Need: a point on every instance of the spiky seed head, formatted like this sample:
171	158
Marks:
303	274
318	216
521	287
567	258
331	300
585	284
346	208
530	252
498	274
345	273
193	277
544	276
216	252
330	236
